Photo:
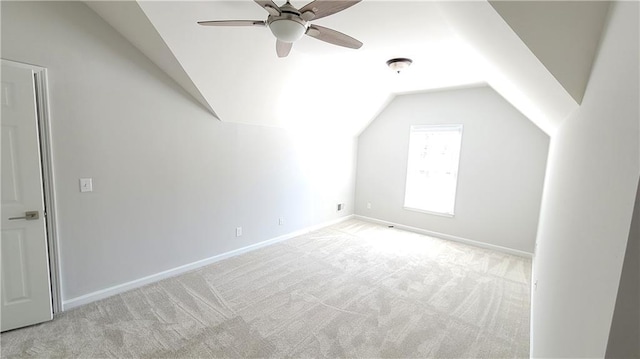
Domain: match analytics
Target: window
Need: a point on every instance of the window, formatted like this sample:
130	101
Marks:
432	168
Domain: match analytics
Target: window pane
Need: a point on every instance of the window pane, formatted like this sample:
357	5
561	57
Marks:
432	169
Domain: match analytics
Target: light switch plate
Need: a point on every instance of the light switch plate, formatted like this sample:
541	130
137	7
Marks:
86	185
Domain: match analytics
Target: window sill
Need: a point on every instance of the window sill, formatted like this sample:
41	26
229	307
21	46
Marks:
448	215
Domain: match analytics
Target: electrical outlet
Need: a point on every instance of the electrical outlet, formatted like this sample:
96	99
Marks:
280	221
238	231
340	207
368	205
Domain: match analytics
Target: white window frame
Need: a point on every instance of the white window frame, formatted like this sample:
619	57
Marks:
434	128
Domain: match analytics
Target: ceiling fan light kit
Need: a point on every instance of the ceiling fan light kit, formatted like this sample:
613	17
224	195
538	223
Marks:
289	24
287	30
399	64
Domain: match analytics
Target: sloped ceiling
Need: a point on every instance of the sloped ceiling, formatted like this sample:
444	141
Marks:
321	88
564	36
130	21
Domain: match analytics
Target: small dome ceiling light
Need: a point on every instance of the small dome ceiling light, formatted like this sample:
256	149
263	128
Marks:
288	29
399	64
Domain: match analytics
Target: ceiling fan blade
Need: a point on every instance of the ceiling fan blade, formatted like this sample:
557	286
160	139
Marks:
270	6
333	37
283	48
322	8
233	23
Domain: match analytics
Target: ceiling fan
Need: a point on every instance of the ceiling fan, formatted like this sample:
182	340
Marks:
288	24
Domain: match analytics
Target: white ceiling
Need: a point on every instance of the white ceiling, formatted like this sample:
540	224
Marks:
322	88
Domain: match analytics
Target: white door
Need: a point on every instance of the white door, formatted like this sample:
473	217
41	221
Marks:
26	292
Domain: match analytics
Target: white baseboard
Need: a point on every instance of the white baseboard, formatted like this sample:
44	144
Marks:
448	237
120	288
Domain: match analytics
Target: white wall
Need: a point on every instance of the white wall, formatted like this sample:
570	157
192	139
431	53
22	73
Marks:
501	172
171	182
588	201
625	326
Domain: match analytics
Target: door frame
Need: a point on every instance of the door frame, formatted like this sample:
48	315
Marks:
47	170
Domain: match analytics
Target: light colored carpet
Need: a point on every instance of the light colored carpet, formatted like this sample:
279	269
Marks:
354	289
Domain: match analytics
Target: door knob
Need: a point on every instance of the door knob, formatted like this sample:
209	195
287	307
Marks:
29	216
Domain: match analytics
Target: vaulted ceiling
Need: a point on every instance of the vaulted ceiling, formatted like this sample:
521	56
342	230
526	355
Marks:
537	55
